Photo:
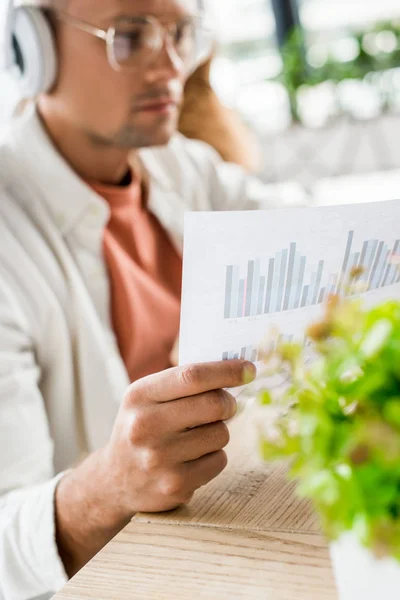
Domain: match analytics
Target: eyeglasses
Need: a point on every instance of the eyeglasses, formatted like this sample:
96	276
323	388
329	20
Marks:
136	41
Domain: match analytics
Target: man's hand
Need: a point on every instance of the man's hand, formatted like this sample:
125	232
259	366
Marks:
167	442
169	436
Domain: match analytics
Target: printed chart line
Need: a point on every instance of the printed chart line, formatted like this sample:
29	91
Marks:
253	353
284	286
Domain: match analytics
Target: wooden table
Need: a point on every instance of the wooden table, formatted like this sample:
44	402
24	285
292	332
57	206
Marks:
244	536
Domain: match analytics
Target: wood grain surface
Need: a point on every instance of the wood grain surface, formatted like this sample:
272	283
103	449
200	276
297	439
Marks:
164	562
244	536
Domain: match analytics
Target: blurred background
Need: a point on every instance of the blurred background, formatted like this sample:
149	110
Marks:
318	81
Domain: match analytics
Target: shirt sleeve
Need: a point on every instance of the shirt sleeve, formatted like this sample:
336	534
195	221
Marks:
29	562
231	187
239	190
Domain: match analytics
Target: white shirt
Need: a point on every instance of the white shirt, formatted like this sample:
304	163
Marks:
61	375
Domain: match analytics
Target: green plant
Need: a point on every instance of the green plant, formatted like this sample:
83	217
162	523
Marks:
297	73
339	420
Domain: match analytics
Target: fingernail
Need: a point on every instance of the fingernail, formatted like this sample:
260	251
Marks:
249	372
231	408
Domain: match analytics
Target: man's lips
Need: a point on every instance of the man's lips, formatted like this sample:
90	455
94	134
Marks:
158	106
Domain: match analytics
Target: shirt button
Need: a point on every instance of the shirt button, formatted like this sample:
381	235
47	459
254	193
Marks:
94	210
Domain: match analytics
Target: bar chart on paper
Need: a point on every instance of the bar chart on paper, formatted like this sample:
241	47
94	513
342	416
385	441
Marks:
252	353
282	284
251	277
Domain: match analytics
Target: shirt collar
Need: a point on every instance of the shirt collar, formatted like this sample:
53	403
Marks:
68	198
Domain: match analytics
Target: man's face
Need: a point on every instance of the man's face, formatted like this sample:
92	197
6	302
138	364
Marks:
123	109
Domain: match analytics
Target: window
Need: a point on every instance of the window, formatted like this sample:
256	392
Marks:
248	61
322	16
366	60
329	24
247	70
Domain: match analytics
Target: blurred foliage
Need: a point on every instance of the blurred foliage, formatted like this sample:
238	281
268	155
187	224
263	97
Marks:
297	72
339	420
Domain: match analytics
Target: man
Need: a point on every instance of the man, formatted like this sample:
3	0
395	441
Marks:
90	267
204	117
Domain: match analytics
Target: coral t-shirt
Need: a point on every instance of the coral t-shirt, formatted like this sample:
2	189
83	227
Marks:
145	274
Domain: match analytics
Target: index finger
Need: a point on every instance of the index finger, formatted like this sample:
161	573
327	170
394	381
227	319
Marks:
190	380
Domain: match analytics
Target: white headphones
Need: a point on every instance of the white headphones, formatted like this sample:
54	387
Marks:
29	49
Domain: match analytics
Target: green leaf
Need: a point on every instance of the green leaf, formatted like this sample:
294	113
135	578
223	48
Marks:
265	398
341	429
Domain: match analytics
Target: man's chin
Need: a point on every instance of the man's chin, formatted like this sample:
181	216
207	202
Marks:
156	132
162	140
161	137
135	136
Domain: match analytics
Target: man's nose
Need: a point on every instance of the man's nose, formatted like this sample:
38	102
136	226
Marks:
168	64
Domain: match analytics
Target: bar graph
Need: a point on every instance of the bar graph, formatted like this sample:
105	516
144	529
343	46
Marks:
246	353
253	353
284	282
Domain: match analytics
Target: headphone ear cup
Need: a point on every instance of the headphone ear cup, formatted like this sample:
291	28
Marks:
35	51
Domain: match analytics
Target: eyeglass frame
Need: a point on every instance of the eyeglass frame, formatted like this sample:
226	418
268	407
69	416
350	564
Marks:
108	35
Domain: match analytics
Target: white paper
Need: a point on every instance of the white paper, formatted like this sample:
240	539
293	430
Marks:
245	272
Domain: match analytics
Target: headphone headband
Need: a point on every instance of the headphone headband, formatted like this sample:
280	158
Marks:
31	3
27	47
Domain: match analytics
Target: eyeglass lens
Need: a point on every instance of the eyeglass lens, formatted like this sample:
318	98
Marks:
135	42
